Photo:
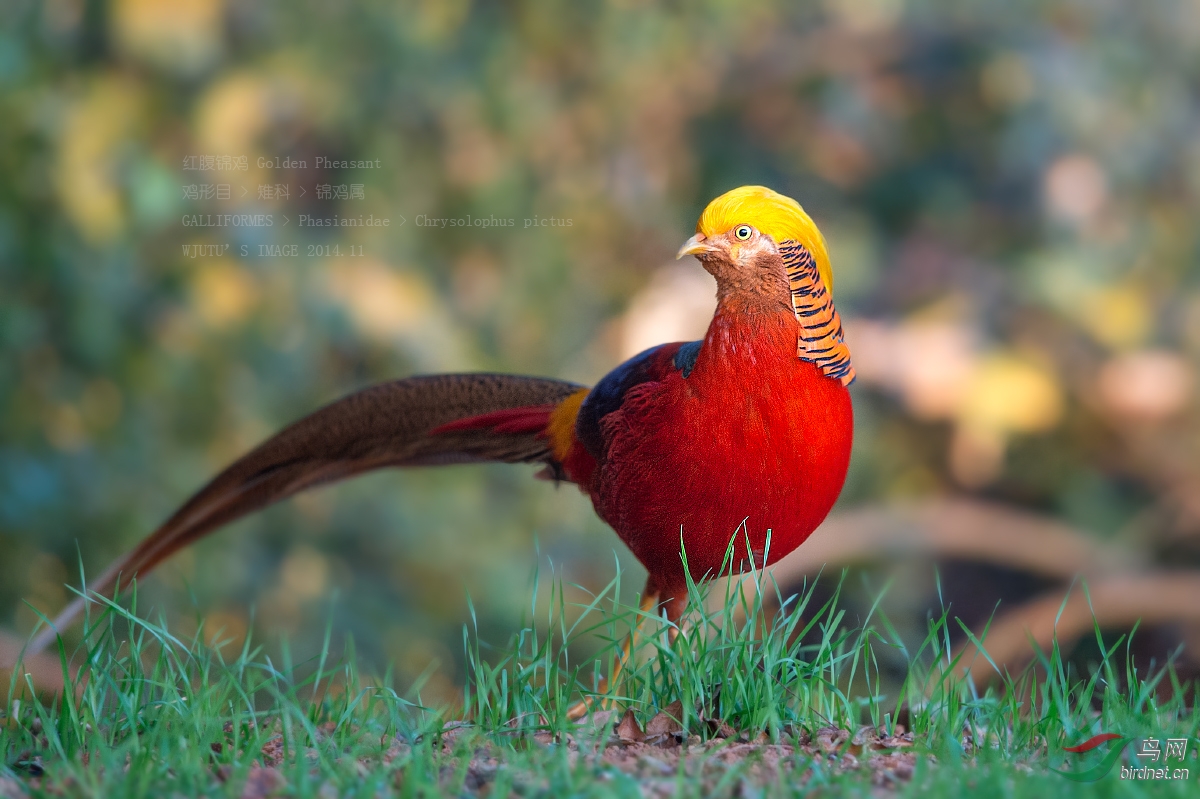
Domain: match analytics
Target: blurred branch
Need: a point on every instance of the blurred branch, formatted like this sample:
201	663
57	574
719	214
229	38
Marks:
1122	591
955	528
1116	602
44	670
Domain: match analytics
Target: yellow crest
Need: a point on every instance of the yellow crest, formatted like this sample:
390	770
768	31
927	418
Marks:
772	213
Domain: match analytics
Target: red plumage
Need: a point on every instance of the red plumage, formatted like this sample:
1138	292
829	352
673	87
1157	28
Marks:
529	419
753	434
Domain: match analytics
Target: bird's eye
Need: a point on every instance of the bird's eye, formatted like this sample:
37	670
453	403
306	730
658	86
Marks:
743	232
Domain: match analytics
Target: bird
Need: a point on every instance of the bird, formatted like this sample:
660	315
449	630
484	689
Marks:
746	432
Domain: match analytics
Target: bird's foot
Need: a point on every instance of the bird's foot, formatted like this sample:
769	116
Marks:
589	703
599	700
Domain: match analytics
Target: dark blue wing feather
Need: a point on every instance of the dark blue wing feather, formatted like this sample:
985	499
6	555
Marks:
609	394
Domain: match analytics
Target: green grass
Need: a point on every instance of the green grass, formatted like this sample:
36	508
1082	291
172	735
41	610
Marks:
153	715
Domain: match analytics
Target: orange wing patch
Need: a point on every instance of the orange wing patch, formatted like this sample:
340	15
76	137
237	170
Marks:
561	429
821	339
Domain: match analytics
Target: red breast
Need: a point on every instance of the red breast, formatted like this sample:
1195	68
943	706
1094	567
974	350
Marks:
752	440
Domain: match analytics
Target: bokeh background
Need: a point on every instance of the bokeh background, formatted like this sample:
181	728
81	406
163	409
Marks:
1009	189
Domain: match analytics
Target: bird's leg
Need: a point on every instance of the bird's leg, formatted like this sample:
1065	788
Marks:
580	709
673	609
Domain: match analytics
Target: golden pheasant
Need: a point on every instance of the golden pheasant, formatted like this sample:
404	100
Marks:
680	446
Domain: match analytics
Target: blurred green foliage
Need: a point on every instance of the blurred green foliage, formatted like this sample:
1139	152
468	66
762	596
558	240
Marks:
1009	190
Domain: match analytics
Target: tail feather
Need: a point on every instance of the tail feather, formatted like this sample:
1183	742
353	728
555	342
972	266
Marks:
532	419
420	421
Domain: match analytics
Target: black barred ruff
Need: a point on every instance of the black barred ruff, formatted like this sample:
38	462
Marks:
821	338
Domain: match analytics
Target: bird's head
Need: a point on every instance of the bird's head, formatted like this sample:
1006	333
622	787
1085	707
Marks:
739	233
765	251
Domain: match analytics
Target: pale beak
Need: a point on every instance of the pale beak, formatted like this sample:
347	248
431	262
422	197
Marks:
694	246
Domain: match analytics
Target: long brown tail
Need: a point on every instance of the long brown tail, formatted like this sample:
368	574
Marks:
403	423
